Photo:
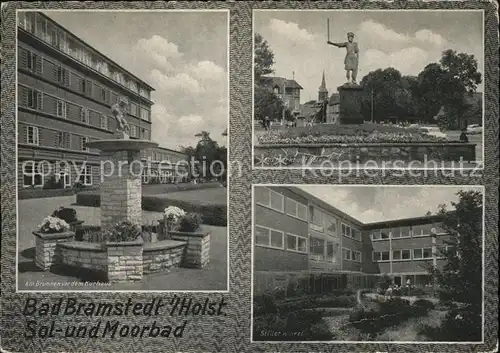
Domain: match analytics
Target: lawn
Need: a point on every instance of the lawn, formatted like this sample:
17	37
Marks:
32	211
203	197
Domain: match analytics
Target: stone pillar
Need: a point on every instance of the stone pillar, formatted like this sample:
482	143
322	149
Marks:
125	261
197	253
47	253
351	96
121	188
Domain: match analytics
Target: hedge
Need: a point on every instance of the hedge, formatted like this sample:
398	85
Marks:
35	193
215	215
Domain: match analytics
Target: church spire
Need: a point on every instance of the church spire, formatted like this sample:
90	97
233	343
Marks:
322	88
323	92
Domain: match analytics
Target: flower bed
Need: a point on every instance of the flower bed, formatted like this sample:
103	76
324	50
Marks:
353	136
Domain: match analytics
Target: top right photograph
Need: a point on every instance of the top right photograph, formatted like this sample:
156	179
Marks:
381	89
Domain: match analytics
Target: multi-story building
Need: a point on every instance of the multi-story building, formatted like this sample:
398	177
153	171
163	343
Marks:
300	237
65	92
288	90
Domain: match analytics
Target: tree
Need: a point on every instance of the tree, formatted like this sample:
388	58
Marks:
263	58
441	87
460	279
209	159
391	95
461	67
266	103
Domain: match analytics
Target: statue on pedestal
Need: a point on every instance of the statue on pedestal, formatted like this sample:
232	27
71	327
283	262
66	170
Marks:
118	110
352	57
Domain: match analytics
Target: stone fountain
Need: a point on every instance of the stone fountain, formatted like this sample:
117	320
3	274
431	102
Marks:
121	170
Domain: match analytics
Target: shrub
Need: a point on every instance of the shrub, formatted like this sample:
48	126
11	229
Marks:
123	231
190	222
396	292
404	291
92	236
423	306
53	225
461	324
79	185
384	282
67	214
264	304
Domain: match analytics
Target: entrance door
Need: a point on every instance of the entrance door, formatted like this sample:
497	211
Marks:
397	280
65	177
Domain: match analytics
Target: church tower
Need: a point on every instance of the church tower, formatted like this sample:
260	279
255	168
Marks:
323	92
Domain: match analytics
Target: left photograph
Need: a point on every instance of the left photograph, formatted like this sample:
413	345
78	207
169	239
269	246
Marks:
122	150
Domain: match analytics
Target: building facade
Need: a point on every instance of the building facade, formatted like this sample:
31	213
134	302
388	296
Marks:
287	90
65	92
299	237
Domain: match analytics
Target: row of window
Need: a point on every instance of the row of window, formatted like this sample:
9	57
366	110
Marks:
34	99
60	139
273	238
65	77
38	25
406	254
35	174
319	249
406	232
318	220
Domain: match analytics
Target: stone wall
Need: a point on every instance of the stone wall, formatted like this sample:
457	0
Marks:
121	261
89	256
47	253
124	261
326	154
162	255
197	251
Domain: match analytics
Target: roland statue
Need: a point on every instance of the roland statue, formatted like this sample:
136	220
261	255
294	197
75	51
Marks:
351	58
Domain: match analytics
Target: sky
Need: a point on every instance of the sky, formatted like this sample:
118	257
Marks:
183	55
380	203
407	41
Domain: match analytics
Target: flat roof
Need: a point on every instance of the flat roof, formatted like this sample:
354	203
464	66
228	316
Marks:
94	49
371	225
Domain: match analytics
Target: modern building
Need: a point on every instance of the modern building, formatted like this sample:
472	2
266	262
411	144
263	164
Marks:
65	92
298	237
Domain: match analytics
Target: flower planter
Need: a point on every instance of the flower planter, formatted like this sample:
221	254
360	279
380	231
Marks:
164	230
197	252
125	261
47	254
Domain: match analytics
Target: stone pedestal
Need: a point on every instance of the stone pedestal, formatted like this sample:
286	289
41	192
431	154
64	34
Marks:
351	96
197	253
47	253
125	261
121	187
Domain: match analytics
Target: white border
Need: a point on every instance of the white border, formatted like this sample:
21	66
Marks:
482	187
228	139
479	165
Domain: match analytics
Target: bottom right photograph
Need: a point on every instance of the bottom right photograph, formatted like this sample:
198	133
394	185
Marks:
365	263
